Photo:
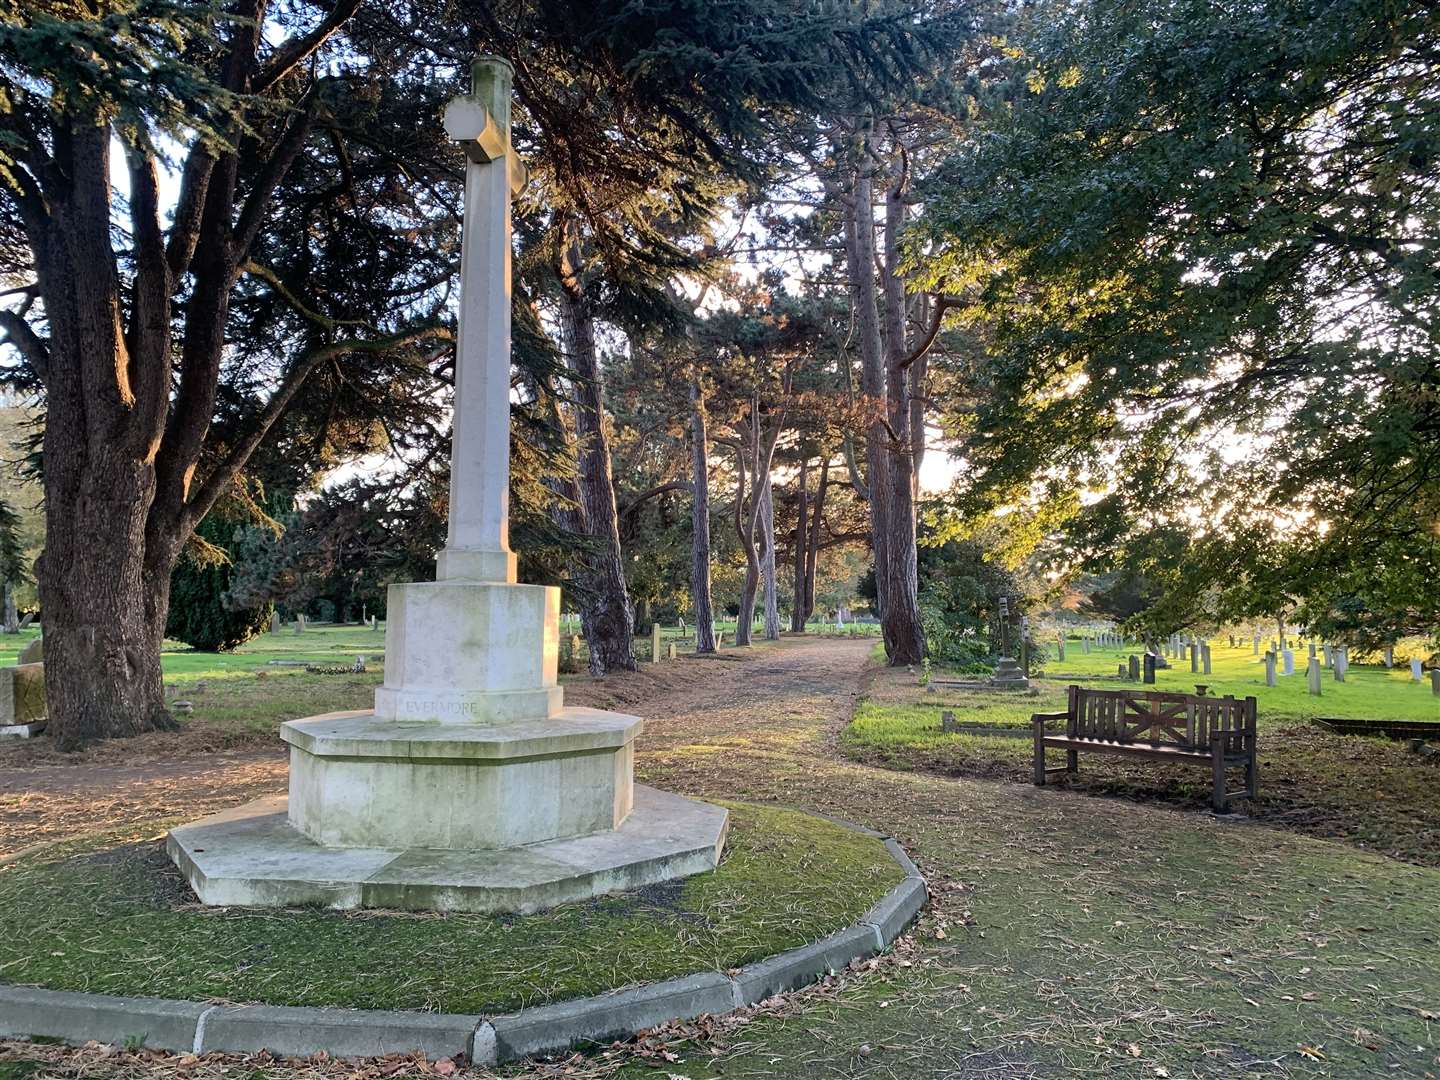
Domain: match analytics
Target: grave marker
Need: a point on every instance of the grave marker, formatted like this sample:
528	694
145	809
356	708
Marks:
1415	669
1269	668
1205	656
1312	675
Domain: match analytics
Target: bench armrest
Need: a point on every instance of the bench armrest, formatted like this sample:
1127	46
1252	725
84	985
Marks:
1049	716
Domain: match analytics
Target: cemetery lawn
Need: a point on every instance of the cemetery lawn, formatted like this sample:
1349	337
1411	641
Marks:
112	915
1370	792
1068	936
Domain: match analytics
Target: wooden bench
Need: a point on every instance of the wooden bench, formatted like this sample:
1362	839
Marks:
1214	731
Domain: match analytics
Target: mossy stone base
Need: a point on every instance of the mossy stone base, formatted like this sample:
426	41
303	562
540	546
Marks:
253	856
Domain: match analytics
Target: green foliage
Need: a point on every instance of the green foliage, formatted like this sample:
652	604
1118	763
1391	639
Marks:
960	587
202	613
1201	244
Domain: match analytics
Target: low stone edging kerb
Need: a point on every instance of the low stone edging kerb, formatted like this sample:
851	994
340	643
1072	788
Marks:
192	1027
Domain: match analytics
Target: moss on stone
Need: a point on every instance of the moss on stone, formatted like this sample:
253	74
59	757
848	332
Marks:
113	916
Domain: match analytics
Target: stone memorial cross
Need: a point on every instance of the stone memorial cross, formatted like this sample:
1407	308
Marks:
477	546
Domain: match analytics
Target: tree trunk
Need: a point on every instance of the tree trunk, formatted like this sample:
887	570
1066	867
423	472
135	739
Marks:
700	524
900	620
812	552
802	547
745	531
768	568
860	260
609	624
128	406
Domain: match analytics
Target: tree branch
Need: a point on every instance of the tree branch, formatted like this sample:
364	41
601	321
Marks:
30	345
942	305
224	474
189	210
283	156
295	49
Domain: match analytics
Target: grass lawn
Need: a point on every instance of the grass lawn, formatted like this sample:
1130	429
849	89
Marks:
114	916
1069	936
1370	792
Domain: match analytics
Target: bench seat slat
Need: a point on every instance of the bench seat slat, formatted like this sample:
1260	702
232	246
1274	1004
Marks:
1157	751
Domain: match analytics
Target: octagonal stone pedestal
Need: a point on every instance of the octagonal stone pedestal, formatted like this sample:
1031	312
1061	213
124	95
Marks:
512	816
357	780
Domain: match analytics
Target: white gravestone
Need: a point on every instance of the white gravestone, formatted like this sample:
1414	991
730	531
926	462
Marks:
1416	668
1288	657
1269	669
1312	675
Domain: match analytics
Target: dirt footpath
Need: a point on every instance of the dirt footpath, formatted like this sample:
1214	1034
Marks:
45	797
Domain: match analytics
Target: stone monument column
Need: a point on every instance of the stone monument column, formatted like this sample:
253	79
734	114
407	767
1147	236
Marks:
469	786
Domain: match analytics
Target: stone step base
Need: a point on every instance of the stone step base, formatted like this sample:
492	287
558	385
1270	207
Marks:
252	856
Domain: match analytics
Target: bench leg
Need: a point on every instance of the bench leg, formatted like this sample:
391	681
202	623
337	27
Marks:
1039	763
1072	761
1218	802
1252	777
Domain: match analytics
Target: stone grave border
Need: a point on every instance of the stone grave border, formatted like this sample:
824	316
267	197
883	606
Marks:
197	1027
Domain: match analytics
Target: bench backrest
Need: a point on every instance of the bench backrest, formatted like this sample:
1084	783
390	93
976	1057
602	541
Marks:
1155	717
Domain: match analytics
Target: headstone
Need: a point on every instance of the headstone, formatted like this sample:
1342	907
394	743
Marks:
1133	672
1328	656
1337	669
1061	654
1232	641
1205	657
1415	669
1150	659
655	642
299	624
22	700
1085	644
1343	658
33	653
1312	675
948	724
1287	657
1312	650
359	666
1435	681
1122	670
670	653
1389	656
1194	657
1255	650
1269	668
374	622
275	622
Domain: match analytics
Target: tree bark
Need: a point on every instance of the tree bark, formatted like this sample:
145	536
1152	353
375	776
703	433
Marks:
860	261
700	524
802	546
767	563
606	615
900	621
123	486
745	532
812	553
